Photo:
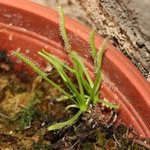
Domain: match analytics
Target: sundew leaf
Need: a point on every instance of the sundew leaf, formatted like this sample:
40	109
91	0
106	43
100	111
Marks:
74	55
92	44
99	55
78	73
64	76
87	90
98	78
63	29
71	106
108	104
87	84
40	72
65	65
63	98
65	123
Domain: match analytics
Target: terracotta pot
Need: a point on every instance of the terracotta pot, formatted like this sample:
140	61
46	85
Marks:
30	27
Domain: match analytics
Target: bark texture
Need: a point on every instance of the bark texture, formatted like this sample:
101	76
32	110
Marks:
113	18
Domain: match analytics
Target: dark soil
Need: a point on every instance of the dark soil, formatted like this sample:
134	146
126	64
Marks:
29	105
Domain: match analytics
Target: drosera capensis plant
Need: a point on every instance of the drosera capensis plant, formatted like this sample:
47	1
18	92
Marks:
87	90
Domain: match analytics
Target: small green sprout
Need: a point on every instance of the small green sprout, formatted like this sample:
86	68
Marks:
87	92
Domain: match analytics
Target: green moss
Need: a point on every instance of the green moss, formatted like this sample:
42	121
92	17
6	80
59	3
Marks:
100	138
87	145
41	146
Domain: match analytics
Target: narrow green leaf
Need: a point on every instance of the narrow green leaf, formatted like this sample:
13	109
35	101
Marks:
64	76
98	79
71	70
39	71
87	90
92	44
108	104
78	73
66	123
100	55
74	55
86	85
96	98
63	98
63	29
72	106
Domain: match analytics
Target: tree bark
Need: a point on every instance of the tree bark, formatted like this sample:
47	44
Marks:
114	19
